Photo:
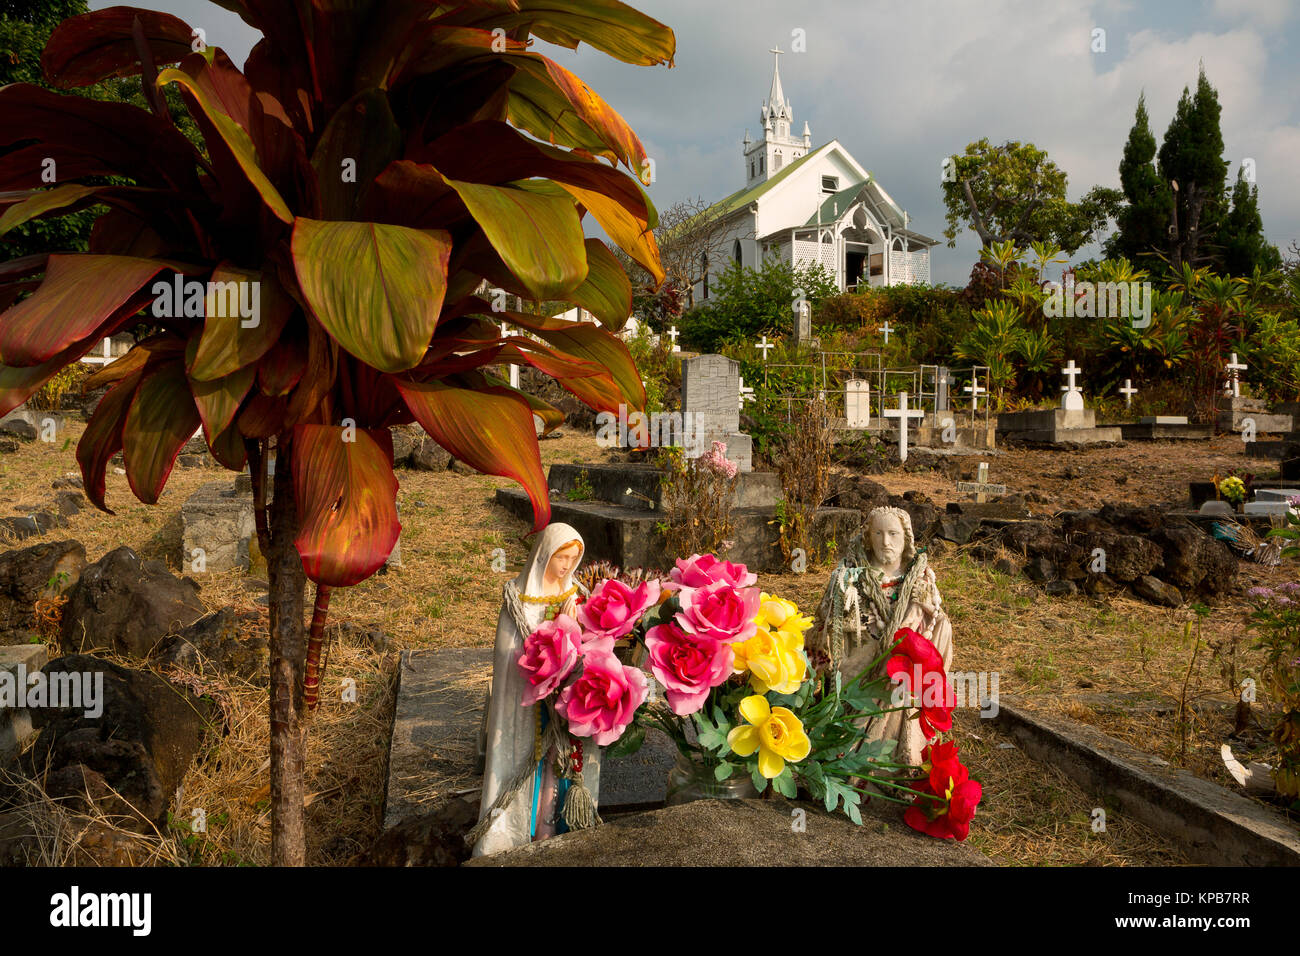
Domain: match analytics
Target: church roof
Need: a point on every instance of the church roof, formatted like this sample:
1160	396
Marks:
743	197
837	204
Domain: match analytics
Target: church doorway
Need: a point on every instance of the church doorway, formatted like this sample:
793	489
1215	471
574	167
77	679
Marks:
855	264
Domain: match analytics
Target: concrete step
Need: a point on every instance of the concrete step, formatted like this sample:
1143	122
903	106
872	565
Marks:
16	729
1265	423
1159	431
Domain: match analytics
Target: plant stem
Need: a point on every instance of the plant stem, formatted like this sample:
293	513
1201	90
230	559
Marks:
288	651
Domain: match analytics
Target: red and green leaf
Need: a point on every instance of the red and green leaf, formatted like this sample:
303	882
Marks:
161	420
535	229
384	304
102	438
99	45
347	502
80	293
227	345
489	428
234	137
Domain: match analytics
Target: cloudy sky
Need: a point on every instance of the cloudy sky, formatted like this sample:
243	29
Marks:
903	85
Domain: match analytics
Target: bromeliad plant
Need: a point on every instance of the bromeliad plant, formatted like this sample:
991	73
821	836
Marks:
372	167
740	696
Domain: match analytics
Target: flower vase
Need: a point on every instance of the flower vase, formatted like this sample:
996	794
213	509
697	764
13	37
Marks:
691	780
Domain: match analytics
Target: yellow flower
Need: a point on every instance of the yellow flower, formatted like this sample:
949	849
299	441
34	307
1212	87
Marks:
782	615
773	660
775	732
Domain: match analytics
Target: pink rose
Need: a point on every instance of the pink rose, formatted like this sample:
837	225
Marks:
701	569
548	656
720	611
688	665
602	701
613	608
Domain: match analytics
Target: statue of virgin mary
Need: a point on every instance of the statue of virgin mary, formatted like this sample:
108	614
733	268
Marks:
524	796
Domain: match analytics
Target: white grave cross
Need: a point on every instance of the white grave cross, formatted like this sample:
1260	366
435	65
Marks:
1128	391
1233	368
886	329
903	413
746	394
672	334
1072	400
975	390
764	345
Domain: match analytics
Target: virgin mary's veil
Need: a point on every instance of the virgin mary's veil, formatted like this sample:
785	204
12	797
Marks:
553	537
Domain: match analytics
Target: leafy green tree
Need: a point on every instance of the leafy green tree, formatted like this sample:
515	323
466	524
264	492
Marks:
1142	225
1241	235
748	302
1191	162
1014	193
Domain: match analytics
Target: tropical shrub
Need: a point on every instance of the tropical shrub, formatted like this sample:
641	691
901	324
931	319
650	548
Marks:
370	169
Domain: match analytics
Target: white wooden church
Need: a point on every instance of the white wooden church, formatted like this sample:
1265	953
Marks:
804	205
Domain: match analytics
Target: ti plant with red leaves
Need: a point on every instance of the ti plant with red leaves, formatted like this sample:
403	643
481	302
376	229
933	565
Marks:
373	164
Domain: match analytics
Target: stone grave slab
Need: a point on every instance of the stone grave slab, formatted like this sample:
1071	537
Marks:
1057	426
745	833
16	729
978	434
711	404
1265	508
218	522
434	747
638	486
1282	450
1275	494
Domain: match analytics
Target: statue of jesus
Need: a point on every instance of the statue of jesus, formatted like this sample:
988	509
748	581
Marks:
880	586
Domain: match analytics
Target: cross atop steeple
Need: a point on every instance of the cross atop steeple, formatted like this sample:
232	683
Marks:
778	146
776	107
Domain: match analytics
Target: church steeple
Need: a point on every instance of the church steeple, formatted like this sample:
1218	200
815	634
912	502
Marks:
779	146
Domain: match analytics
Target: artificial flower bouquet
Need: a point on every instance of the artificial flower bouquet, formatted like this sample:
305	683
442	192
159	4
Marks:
740	696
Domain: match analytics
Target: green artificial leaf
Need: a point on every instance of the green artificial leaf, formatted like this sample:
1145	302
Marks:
631	741
723	770
710	736
832	796
760	781
784	783
854	814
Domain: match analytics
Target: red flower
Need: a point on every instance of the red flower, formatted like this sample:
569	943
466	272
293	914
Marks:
946	770
917	668
946	801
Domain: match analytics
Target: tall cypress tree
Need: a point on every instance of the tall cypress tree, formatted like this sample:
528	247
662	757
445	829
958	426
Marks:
1191	156
1241	234
1143	223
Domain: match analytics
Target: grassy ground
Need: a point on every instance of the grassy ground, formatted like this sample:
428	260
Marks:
1055	654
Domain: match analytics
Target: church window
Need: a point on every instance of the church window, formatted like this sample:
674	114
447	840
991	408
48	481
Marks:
777	165
830	184
760	164
737	253
751	169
